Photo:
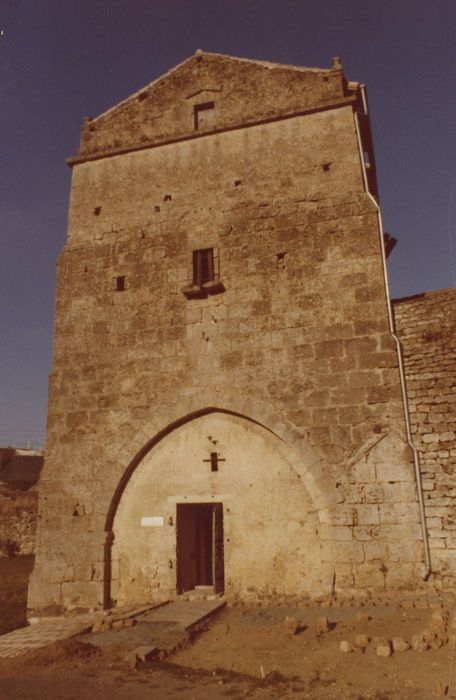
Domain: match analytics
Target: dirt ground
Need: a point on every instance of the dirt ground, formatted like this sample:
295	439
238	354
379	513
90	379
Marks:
256	642
245	652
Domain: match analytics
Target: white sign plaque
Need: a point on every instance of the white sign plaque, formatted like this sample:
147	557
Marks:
149	521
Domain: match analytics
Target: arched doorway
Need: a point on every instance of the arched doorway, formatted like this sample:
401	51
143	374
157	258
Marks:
219	501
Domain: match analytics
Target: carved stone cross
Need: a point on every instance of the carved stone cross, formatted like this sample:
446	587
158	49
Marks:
214	460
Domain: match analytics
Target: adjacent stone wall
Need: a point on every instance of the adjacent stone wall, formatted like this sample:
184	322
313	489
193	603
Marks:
426	325
18	515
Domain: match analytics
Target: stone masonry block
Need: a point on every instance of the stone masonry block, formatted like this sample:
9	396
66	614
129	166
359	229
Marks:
405	551
400	492
364	472
87	593
329	348
375	551
347	552
369	575
367	533
400	575
399	513
336	533
366	514
395	472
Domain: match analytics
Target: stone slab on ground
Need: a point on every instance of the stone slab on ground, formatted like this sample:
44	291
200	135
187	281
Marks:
163	628
165	636
186	613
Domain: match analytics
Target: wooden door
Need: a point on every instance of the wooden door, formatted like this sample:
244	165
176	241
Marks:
218	566
186	562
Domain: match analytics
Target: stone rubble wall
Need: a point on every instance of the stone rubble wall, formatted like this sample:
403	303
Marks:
18	516
426	326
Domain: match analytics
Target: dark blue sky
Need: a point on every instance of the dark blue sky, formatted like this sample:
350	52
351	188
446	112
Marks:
62	60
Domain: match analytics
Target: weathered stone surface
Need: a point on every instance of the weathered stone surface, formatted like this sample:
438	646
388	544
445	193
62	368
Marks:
97	626
384	648
345	647
400	644
362	641
362	617
18	518
284	368
321	625
141	654
419	643
439	620
292	625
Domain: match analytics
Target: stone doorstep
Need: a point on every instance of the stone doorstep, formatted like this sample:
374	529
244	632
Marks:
187	614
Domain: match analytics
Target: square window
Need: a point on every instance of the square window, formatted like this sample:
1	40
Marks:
204	116
203	266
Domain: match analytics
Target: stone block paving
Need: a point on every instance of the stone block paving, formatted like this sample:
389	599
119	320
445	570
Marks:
42	634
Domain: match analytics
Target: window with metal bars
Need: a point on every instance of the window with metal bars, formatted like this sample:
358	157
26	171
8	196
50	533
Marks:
203	266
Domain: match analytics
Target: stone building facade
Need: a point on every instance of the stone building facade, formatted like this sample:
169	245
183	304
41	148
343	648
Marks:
225	405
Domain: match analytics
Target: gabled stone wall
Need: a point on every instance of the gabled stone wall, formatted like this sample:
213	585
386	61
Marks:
426	326
242	90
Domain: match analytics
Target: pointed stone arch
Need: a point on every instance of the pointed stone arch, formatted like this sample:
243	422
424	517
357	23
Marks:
309	465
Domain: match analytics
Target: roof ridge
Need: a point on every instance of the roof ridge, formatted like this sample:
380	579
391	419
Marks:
267	64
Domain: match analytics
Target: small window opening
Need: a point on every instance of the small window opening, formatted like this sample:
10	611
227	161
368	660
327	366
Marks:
157	208
120	283
97	211
237	183
204	116
326	166
142	96
203	266
281	260
167	198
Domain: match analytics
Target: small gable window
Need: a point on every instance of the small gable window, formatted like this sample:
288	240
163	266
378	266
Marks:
204	116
